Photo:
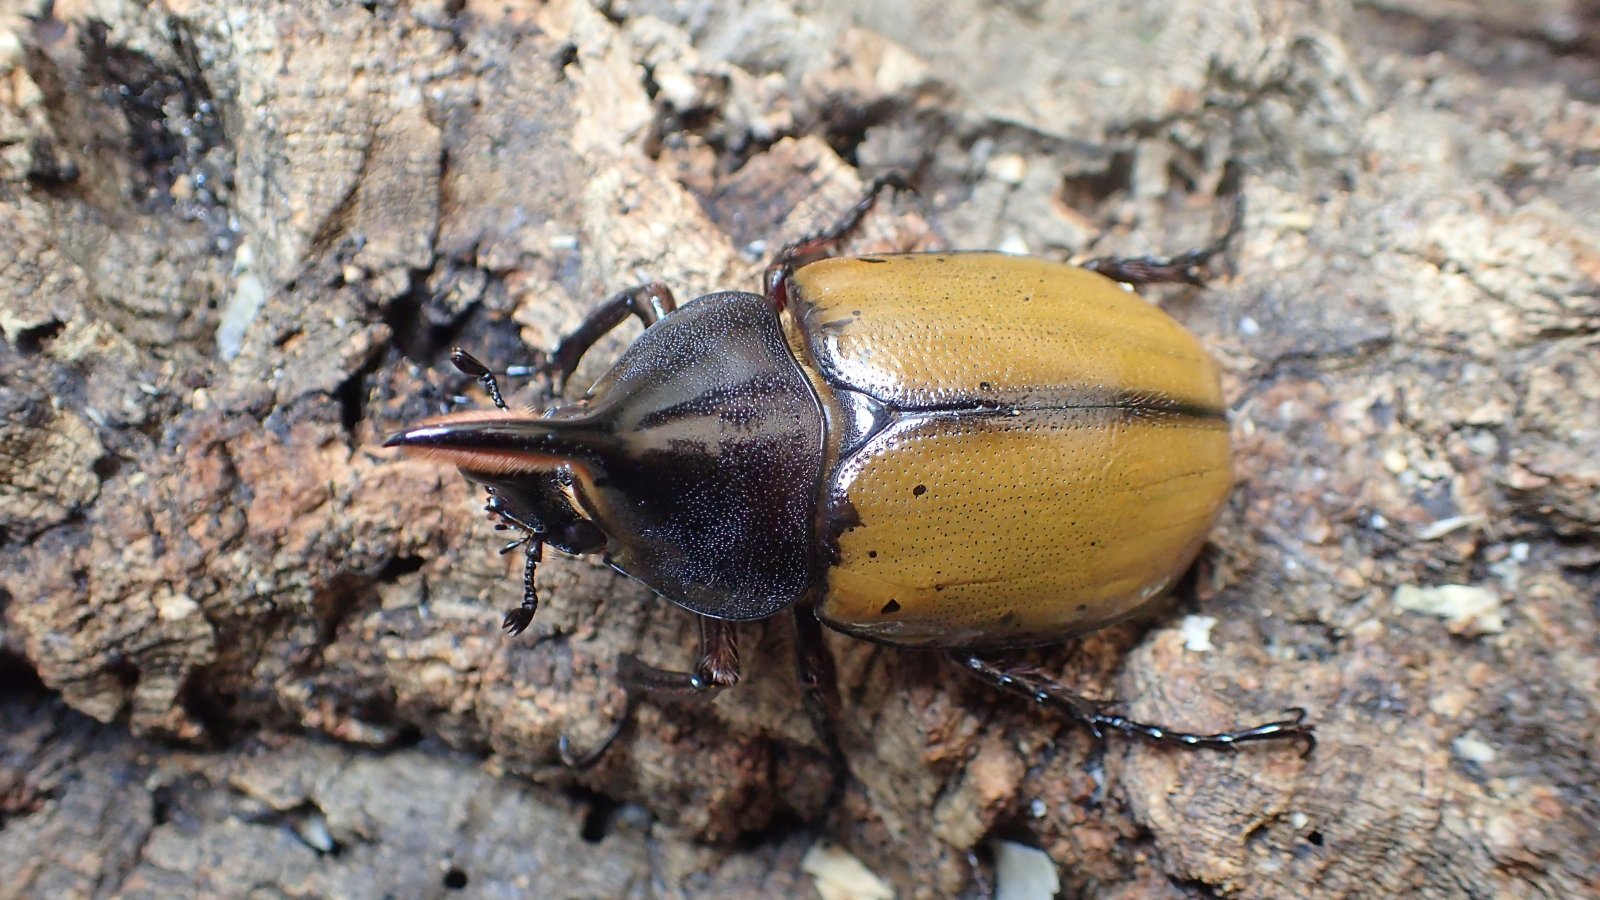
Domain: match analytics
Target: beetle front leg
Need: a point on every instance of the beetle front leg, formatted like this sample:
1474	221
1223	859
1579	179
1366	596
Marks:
818	679
793	253
1042	689
1185	268
717	668
649	303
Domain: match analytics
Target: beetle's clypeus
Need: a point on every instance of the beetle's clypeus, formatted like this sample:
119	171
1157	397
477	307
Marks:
965	451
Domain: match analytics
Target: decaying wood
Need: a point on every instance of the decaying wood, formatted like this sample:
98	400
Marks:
242	237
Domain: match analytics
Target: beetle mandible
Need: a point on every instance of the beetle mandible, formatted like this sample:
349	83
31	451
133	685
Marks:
969	452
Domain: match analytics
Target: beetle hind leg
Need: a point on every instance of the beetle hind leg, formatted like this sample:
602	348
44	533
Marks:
1042	689
1185	268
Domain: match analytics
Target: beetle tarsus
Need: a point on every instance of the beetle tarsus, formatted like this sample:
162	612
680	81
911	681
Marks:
586	759
518	620
1294	726
1185	268
1045	691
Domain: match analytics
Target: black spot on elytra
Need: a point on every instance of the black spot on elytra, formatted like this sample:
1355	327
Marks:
919	490
893	606
872	554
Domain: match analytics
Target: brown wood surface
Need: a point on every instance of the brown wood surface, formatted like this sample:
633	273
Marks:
243	650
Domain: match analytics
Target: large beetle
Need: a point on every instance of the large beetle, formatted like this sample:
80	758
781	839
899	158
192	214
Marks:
964	451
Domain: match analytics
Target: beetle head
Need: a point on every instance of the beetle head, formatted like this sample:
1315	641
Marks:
528	464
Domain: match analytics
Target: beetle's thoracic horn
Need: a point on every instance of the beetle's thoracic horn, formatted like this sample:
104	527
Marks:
495	443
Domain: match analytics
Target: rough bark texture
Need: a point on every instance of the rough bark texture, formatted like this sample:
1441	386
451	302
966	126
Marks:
240	238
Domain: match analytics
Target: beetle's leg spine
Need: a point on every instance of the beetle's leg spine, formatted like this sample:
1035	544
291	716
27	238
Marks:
1184	268
1043	690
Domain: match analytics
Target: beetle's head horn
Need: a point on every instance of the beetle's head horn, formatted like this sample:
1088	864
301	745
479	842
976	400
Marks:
498	444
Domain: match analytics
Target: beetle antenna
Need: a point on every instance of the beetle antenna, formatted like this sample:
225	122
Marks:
470	365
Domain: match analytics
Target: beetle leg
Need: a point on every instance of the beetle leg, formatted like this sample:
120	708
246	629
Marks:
789	257
591	756
717	668
1185	268
818	679
649	302
1046	691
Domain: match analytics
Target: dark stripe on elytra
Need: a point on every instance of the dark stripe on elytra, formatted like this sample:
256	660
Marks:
1168	406
1147	406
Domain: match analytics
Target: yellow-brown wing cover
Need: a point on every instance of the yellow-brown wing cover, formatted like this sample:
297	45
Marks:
1057	456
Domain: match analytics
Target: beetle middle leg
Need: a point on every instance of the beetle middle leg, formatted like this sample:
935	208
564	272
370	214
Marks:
1042	689
1185	268
717	668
